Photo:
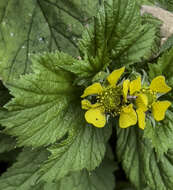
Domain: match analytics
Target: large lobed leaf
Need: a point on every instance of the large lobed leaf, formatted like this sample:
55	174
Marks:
40	112
35	26
24	174
100	179
84	148
46	110
146	168
118	35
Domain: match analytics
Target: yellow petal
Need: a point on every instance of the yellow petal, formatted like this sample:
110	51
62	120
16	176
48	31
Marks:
115	75
141	118
96	117
135	85
142	102
127	117
125	89
158	85
86	104
159	108
95	88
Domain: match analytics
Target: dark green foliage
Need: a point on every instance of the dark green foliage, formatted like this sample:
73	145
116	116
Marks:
29	27
24	173
141	163
43	114
167	4
117	37
167	44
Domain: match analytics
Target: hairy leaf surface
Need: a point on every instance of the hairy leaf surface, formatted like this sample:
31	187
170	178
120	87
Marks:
84	148
117	34
24	173
160	134
144	167
31	26
41	112
100	179
46	110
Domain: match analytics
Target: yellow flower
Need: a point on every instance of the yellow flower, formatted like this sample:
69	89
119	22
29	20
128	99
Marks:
146	98
108	102
95	114
127	116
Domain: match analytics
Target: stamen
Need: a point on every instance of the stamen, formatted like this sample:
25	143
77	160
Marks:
110	98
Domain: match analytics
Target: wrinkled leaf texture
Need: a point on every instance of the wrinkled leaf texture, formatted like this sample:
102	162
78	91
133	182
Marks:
35	26
145	168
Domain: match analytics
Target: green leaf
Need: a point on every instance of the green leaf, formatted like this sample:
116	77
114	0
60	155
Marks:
7	143
168	4
41	111
166	63
145	169
167	44
124	185
45	186
24	173
46	109
160	134
154	70
84	148
138	48
163	67
117	34
100	179
129	144
4	95
33	26
146	2
8	158
156	23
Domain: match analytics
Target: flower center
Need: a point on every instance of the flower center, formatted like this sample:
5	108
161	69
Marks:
110	98
151	96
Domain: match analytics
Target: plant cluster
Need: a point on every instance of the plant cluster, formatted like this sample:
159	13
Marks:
85	96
